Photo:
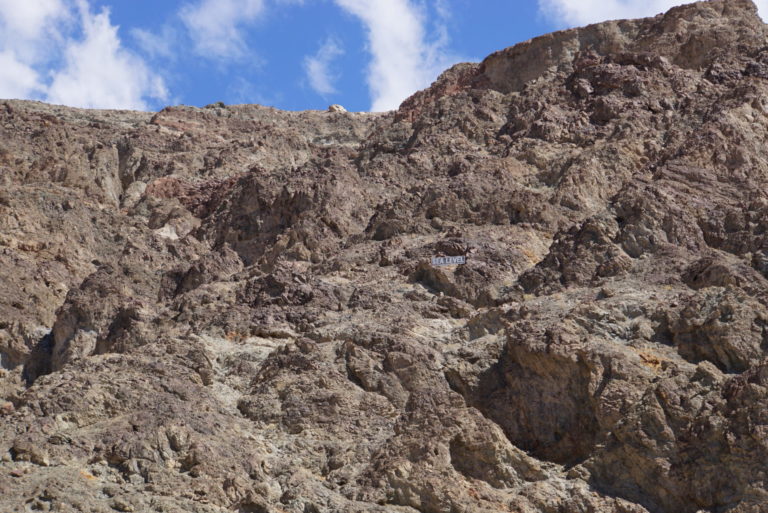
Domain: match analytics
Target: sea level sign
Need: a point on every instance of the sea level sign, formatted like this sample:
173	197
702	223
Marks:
449	260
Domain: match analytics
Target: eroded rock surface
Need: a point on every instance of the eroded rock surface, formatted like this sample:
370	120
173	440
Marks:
234	309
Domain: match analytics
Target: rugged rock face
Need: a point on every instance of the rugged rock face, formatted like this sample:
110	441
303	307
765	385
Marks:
234	309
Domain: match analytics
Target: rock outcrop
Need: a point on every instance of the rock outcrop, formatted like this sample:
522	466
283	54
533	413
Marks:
234	308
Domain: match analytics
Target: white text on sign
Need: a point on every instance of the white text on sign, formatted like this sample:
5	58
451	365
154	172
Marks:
449	260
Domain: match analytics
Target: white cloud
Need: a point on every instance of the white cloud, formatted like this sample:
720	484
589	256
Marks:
100	73
157	45
216	26
28	35
17	80
318	67
28	20
583	12
403	59
59	51
29	31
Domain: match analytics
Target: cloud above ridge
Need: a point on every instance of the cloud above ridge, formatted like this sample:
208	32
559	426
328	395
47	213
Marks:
99	73
27	31
318	67
217	26
571	13
403	58
60	51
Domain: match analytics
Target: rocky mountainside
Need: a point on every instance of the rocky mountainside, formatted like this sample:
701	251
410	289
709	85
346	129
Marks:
234	309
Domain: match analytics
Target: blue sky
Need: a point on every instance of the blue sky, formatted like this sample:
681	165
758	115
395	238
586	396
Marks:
291	54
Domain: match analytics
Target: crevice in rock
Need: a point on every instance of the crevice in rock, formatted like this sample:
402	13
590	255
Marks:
39	361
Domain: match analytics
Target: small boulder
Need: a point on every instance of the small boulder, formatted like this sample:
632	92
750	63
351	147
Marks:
6	408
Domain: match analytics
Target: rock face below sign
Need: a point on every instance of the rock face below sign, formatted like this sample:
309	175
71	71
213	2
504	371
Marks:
234	309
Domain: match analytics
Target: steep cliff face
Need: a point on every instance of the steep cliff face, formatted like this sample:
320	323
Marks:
234	308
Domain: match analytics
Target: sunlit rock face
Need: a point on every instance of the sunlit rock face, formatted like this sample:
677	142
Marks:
541	285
